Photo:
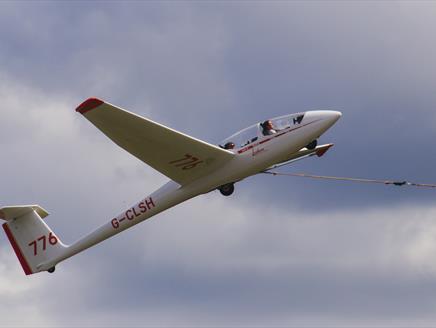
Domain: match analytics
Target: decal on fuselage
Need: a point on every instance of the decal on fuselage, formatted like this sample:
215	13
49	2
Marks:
298	119
256	151
132	213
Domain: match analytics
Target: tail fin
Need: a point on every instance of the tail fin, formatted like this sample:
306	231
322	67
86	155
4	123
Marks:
30	237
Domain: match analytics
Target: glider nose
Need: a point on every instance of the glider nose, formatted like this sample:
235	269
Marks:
326	117
332	116
329	118
324	120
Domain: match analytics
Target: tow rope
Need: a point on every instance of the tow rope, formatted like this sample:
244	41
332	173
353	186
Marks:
325	177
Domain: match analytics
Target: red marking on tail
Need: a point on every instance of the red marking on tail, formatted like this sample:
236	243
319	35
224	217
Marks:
17	250
88	105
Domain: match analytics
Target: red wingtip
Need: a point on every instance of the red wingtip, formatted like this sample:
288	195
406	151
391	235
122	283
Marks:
88	105
17	250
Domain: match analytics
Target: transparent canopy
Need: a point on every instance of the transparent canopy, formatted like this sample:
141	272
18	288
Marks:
243	137
257	131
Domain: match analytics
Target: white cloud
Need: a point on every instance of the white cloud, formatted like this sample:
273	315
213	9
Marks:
19	305
215	233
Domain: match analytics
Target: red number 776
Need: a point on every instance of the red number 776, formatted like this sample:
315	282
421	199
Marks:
51	239
187	162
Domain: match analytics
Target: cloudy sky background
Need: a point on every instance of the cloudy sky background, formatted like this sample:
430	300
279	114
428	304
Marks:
280	251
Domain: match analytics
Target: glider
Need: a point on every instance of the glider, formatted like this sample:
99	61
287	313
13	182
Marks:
194	167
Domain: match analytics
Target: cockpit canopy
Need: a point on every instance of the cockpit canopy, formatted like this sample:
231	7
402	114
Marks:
259	130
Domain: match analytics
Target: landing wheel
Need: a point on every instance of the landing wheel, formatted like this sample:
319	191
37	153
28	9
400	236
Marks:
51	270
312	145
227	189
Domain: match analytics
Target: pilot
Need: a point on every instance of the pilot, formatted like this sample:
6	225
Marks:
268	128
229	145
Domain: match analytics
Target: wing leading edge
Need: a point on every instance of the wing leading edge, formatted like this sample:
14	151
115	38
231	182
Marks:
178	156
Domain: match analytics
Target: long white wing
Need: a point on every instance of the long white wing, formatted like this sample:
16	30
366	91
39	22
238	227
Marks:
178	156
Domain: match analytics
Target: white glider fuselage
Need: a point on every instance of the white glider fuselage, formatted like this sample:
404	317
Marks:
249	160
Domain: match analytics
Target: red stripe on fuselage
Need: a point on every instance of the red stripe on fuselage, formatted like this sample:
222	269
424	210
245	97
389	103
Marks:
17	250
243	150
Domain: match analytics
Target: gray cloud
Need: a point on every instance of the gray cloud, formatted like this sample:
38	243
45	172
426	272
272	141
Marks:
231	65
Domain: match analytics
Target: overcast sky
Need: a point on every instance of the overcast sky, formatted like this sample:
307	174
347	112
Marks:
280	251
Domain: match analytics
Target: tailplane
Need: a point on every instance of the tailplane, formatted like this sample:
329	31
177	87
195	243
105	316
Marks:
30	237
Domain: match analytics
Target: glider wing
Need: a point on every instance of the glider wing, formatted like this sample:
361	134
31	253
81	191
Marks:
178	156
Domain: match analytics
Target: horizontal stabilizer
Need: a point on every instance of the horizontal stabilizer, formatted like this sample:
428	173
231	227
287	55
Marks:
9	213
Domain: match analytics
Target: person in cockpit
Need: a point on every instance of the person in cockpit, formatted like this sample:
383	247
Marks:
267	128
229	145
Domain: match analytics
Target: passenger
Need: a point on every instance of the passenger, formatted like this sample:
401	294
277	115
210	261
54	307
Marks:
268	128
229	145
